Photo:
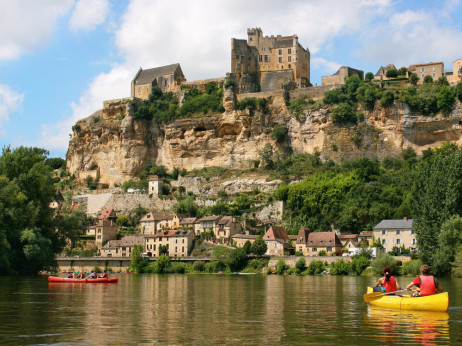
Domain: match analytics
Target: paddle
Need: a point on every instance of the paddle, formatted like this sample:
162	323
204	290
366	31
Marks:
368	297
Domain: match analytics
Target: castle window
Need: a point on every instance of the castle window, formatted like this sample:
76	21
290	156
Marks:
289	51
290	58
282	67
280	51
290	66
280	59
242	58
260	58
266	58
237	57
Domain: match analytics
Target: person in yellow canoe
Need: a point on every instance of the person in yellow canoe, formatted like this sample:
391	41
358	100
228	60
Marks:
427	283
388	282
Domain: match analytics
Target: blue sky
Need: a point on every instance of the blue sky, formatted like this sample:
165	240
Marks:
60	59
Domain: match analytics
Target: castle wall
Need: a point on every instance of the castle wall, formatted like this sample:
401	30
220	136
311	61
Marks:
273	80
315	93
202	84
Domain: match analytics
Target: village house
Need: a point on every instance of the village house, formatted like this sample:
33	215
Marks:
342	73
91	230
397	233
348	240
454	76
311	243
240	239
382	72
366	237
433	69
276	240
167	78
188	223
108	214
227	227
155	185
152	222
207	224
177	242
122	247
105	230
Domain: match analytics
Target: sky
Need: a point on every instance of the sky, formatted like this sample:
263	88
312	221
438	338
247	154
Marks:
60	59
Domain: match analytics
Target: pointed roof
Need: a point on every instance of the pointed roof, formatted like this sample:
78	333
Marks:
106	213
276	233
148	76
302	236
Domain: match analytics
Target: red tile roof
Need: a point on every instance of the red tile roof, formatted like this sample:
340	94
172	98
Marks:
276	233
323	239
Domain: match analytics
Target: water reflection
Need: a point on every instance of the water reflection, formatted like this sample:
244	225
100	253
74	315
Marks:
398	326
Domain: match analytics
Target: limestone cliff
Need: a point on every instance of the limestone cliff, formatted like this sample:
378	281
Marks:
119	147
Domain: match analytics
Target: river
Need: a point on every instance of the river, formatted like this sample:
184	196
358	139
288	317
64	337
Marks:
215	309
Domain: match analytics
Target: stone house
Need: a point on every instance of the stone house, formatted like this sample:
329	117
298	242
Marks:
188	223
207	224
91	230
122	247
367	236
152	222
433	69
241	239
313	243
382	72
393	233
276	240
155	185
105	230
108	214
454	76
179	242
227	227
348	240
339	77
167	78
273	60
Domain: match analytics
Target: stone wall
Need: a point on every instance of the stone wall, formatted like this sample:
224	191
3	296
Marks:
291	260
202	84
273	80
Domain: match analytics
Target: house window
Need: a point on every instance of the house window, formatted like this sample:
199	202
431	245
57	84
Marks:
422	75
237	57
99	237
289	65
398	241
384	241
398	232
242	58
289	51
383	232
280	59
299	249
123	255
282	67
329	249
182	240
412	231
280	51
434	69
154	247
266	58
422	69
433	75
315	249
414	242
260	58
290	58
182	249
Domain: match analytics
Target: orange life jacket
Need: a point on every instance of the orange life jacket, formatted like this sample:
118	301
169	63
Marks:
428	285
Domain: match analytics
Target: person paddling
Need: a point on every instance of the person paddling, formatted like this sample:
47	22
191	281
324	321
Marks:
388	282
427	283
70	275
92	275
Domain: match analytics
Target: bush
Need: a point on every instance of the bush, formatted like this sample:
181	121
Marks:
412	268
335	96
257	264
459	91
301	264
387	98
316	267
160	266
359	264
322	253
391	73
199	266
279	133
446	99
381	261
177	268
215	267
340	268
428	79
369	76
281	267
343	114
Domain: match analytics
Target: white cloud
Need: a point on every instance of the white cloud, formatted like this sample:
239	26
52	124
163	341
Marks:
27	24
88	14
10	101
324	65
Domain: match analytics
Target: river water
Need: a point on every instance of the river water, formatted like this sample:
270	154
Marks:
215	310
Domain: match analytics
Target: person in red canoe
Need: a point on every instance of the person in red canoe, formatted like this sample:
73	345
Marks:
93	275
81	275
70	275
104	276
388	282
426	282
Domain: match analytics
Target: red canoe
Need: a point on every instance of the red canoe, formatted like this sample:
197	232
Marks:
83	281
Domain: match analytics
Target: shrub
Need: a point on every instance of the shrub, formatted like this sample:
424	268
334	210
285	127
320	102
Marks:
391	73
279	133
199	266
160	266
381	261
369	76
446	99
343	113
459	91
257	264
412	267
301	264
230	83
428	79
281	267
414	79
387	98
215	267
340	268
335	96
322	253
359	264
316	267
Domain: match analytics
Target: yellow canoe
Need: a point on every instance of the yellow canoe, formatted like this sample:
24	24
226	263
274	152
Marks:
436	302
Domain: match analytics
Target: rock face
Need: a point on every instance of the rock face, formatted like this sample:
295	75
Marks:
121	148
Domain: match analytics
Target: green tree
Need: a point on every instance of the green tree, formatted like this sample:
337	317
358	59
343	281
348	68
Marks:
316	267
161	265
259	247
359	264
340	268
281	267
137	264
459	91
413	79
186	207
301	264
70	225
247	247
56	162
28	240
381	261
445	99
163	250
279	133
123	221
343	113
449	242
402	71
387	99
369	76
428	79
391	73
